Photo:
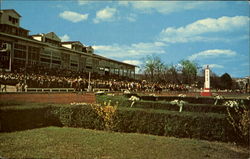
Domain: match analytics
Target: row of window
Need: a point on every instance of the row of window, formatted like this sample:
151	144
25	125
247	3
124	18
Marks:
13	20
53	42
13	30
19	47
64	60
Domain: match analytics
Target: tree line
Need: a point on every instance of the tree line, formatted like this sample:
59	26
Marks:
188	72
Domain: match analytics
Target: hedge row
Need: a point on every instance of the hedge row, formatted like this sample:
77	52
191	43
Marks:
205	108
122	100
207	126
164	104
14	119
194	100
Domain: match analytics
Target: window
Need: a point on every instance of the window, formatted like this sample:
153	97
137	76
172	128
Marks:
13	20
45	60
14	30
73	64
56	62
33	53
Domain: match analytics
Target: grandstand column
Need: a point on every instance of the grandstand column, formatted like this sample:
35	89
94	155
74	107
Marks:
26	59
89	86
50	65
11	56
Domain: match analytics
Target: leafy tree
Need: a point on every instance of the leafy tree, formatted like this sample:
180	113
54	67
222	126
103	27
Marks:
189	71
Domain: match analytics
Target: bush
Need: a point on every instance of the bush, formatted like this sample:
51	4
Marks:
154	102
187	107
207	126
77	116
14	119
122	100
168	123
239	118
193	100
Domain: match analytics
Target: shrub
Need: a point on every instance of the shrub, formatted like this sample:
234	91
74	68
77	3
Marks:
107	112
168	123
121	100
13	118
154	102
174	107
239	118
207	126
193	100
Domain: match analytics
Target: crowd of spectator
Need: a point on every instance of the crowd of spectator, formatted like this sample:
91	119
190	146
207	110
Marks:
80	82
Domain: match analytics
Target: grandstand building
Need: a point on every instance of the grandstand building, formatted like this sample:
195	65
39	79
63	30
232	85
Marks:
19	50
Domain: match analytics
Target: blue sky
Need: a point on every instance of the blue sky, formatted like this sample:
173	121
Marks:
207	32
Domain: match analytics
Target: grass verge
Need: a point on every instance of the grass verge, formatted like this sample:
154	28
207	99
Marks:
54	142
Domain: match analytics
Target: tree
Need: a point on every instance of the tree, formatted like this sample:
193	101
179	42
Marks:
153	68
170	74
226	81
189	71
214	80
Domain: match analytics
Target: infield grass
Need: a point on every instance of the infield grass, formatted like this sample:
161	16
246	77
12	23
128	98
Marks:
55	142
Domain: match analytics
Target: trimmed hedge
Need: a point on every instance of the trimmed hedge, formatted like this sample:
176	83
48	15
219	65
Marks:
77	116
122	100
205	108
207	126
194	100
15	119
164	105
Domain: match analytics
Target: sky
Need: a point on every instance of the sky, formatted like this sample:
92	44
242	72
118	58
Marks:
214	33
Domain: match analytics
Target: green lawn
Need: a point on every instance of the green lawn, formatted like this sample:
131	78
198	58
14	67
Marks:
55	142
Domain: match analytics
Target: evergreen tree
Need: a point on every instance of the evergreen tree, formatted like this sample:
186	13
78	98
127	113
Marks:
226	81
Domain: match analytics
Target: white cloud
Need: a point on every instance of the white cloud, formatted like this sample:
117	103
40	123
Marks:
164	7
107	14
212	54
73	16
213	66
133	62
131	17
65	37
194	31
130	51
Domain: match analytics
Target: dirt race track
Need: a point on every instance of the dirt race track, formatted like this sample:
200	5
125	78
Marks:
59	98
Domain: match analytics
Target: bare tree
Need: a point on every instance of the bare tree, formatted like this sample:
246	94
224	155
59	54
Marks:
153	68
